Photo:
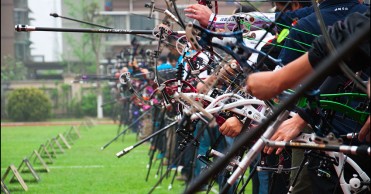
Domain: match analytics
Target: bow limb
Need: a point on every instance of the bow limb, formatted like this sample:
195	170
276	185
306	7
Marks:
162	35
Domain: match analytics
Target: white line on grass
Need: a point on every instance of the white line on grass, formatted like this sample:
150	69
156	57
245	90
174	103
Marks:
61	167
92	166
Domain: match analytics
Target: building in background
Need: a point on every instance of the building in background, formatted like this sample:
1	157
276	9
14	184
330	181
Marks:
133	15
130	15
13	44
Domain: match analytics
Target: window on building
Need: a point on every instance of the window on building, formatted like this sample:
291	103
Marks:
128	21
141	22
20	3
22	44
20	16
20	51
118	22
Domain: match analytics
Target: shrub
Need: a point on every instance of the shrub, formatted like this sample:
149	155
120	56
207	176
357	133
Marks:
89	104
75	108
107	101
28	104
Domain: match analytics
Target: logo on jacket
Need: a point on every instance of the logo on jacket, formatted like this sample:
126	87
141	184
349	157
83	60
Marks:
341	9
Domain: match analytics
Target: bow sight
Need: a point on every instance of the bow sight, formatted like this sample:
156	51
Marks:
153	8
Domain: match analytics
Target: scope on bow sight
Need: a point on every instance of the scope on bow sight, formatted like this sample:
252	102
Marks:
124	78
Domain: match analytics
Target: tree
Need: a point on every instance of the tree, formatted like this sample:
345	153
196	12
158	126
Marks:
11	69
89	47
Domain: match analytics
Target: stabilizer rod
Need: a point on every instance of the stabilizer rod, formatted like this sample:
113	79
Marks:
128	149
27	28
114	139
359	150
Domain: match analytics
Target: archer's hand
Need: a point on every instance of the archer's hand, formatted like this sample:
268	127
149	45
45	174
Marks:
231	127
287	131
199	12
262	85
365	131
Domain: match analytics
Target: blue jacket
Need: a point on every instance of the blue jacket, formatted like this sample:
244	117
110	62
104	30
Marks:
164	66
332	11
339	33
288	16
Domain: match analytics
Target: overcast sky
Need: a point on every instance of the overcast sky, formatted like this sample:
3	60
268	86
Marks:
48	44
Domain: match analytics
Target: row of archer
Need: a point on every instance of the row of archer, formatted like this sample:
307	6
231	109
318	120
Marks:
226	77
323	114
213	104
225	102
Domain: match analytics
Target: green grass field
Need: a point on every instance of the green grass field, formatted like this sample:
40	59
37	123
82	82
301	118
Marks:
84	168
